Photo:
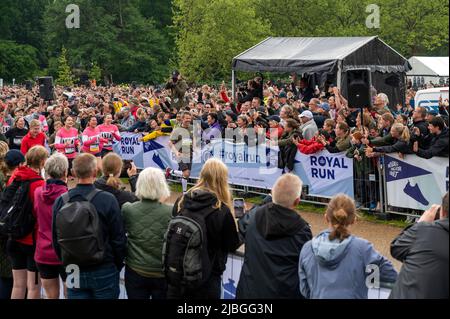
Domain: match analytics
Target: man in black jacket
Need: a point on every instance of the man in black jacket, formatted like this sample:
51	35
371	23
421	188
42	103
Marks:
99	281
437	140
423	249
419	129
274	236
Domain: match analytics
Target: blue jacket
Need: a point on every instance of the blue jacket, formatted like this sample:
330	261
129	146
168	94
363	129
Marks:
112	225
337	270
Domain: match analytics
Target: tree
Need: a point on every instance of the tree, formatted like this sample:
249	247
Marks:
17	61
115	34
211	32
65	76
95	72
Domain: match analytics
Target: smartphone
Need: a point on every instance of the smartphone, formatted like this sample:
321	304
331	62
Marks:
239	207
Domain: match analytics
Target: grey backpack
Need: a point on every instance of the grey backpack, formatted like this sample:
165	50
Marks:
78	231
186	259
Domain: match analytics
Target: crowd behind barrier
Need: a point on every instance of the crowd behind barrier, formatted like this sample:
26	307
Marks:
281	132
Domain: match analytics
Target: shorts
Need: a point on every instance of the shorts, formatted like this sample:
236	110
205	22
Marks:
21	256
184	166
103	153
52	271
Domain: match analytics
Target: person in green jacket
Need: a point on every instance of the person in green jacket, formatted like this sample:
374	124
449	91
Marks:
146	222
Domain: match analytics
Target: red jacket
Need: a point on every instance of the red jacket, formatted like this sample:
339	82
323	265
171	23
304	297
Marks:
280	132
28	142
25	173
310	147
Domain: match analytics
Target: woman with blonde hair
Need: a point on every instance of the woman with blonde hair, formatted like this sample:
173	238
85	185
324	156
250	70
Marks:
110	181
401	142
333	264
211	196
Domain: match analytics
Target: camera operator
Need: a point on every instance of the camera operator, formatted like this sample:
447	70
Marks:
178	88
423	249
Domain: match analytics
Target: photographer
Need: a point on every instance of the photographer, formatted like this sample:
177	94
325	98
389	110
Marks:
178	88
423	249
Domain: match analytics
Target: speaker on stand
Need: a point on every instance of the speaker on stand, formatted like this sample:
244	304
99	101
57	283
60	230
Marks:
46	88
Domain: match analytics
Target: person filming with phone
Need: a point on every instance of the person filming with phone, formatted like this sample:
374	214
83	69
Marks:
423	249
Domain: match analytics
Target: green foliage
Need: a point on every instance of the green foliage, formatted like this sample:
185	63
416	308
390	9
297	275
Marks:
211	32
17	61
65	76
95	72
141	40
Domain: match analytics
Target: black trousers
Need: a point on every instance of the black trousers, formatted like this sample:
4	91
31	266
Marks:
140	287
210	290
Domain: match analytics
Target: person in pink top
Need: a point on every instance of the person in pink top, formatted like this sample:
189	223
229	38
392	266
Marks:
92	141
47	262
110	132
67	141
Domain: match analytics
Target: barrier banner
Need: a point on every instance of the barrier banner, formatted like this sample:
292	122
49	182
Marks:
414	182
154	153
255	166
326	174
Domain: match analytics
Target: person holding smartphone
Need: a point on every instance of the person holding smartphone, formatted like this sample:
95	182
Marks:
423	248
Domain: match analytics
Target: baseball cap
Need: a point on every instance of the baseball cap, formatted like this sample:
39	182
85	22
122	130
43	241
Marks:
325	106
307	114
275	118
14	158
282	95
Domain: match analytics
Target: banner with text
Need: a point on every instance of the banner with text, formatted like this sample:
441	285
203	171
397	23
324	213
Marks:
414	182
255	166
326	174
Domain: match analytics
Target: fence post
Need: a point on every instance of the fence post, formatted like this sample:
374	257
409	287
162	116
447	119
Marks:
381	179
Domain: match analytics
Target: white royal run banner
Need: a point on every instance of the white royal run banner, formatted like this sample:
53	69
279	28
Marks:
255	166
325	173
154	153
414	182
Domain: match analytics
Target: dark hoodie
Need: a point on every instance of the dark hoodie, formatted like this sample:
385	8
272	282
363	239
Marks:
45	197
274	237
220	227
122	196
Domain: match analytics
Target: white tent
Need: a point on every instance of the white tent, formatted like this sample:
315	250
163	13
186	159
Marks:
426	69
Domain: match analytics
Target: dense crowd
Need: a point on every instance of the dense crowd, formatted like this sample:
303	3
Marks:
80	126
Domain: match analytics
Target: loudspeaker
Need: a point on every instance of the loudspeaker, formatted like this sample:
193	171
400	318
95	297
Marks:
46	88
359	82
29	85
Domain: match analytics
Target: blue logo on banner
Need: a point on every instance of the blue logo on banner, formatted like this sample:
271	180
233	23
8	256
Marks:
229	289
416	193
396	170
152	146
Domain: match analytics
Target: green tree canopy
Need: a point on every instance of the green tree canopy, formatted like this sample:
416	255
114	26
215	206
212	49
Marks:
17	61
211	32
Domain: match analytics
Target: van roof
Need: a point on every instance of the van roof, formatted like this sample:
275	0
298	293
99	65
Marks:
433	90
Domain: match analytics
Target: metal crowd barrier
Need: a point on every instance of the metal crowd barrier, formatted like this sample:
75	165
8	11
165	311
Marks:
369	189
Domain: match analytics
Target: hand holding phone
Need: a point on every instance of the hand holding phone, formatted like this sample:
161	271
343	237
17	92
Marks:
239	207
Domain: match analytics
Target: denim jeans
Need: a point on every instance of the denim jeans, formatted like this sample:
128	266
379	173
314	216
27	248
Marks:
211	290
101	283
139	287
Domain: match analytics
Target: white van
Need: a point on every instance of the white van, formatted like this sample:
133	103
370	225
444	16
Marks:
429	98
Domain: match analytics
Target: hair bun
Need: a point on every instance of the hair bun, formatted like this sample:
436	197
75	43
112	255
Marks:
340	215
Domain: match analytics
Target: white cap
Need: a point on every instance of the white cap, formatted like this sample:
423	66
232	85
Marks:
307	114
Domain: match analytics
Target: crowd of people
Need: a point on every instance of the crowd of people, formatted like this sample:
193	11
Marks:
44	144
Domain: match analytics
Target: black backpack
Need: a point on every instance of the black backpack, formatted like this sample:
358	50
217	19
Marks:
16	210
78	231
186	260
